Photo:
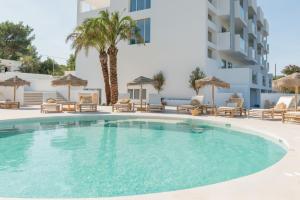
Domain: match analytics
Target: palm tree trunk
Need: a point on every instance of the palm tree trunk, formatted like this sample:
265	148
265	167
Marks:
104	65
113	53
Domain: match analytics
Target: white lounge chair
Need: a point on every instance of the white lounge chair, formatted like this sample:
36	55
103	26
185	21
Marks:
155	104
196	102
124	104
284	104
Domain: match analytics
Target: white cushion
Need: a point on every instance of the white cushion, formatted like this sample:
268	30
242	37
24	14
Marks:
200	99
289	101
232	105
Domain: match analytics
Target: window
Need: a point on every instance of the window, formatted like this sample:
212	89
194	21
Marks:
210	17
209	53
210	36
224	64
136	5
136	94
130	92
144	92
144	26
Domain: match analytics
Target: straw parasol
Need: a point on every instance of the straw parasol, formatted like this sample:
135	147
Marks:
214	82
290	82
69	80
14	82
141	81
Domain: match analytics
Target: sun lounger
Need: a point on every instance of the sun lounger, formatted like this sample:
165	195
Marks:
196	102
155	104
291	117
8	104
283	105
86	104
51	106
124	104
234	106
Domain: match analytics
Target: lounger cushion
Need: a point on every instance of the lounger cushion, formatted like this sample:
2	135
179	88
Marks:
86	99
293	114
232	105
124	101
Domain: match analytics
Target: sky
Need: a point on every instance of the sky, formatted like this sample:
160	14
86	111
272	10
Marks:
53	20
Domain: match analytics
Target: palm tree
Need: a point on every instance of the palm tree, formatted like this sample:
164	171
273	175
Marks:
117	28
88	35
159	81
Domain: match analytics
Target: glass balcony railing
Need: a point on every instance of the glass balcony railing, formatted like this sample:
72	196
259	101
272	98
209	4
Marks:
242	13
242	45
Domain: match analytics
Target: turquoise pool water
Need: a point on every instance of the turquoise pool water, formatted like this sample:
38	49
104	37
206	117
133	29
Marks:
117	156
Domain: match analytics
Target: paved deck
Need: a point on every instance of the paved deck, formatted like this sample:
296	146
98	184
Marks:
279	182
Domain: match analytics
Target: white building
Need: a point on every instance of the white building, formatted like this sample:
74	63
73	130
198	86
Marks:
225	38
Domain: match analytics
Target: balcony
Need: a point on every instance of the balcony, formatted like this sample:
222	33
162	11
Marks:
240	14
266	27
240	45
251	53
212	6
224	41
260	16
212	25
253	5
224	44
252	28
260	39
92	5
259	59
224	8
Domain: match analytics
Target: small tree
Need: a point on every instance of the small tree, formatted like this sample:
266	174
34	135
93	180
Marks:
159	81
291	69
196	75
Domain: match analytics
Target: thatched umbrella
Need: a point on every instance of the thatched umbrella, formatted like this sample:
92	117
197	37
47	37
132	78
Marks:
69	80
214	82
141	81
14	82
289	82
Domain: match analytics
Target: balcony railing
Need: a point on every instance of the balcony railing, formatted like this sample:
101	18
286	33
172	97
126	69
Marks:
240	44
251	53
240	12
253	4
252	27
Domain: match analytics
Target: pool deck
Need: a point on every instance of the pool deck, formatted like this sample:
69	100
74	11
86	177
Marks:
278	182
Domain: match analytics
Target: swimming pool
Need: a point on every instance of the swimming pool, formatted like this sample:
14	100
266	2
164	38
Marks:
120	156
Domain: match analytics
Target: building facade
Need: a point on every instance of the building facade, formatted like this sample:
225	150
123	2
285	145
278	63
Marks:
225	38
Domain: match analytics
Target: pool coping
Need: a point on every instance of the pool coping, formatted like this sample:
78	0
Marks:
263	184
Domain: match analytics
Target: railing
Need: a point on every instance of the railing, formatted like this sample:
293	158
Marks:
251	53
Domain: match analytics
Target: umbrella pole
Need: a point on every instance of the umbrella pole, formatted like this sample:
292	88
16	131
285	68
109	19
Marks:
213	95
296	98
141	99
69	92
15	91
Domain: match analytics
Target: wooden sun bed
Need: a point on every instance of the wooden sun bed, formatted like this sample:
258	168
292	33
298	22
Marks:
9	105
291	117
